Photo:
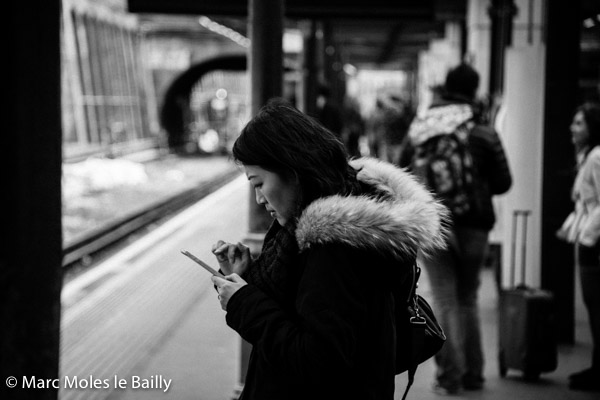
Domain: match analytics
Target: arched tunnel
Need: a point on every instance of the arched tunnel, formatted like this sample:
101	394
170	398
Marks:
176	103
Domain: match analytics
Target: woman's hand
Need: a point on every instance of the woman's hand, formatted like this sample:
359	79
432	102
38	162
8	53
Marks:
232	258
227	287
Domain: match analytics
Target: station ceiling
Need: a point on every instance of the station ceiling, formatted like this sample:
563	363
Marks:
374	33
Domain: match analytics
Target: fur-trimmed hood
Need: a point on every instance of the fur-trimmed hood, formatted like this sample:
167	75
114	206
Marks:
411	219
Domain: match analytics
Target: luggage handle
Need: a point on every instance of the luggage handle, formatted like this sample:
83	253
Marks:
516	214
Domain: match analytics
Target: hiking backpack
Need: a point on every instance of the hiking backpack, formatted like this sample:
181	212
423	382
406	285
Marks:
442	159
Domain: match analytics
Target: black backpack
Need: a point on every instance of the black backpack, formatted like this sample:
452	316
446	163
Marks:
442	159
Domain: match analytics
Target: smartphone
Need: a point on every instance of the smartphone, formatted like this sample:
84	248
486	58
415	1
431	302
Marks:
202	264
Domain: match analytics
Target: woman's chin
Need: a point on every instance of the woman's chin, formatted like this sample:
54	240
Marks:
281	221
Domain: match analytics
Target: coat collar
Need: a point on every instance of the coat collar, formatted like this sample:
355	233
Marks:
411	219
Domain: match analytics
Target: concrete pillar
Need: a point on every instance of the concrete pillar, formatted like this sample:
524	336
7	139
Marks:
266	81
501	14
31	257
539	96
562	36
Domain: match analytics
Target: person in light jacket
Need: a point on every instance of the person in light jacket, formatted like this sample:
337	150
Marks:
455	272
317	305
585	133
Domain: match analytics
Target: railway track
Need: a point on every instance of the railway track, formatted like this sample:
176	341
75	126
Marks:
96	244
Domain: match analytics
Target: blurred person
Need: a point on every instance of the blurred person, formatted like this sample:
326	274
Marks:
328	113
317	304
354	127
375	127
583	229
454	272
396	120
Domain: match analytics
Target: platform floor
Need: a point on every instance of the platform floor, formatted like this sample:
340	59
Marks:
149	317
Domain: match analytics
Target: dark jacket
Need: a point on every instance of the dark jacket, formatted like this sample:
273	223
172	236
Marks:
338	342
491	170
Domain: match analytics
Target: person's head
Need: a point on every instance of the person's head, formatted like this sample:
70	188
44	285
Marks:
462	81
323	94
585	127
291	160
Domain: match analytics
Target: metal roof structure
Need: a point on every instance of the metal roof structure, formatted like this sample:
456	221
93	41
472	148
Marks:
377	33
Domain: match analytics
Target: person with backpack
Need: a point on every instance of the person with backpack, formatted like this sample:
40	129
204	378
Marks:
318	305
463	162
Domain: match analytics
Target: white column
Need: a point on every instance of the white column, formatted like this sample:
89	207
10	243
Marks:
521	129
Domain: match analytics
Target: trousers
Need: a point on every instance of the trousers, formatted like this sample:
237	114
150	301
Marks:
588	259
454	275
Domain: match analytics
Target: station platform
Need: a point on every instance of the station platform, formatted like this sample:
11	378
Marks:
146	323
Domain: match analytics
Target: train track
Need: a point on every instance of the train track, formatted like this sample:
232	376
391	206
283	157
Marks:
86	249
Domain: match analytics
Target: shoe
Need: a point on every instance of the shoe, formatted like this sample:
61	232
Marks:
586	380
437	388
587	385
585	374
472	382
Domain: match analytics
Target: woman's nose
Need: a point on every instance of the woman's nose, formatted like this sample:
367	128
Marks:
260	199
572	128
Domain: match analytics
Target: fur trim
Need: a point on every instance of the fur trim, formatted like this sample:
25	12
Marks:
411	220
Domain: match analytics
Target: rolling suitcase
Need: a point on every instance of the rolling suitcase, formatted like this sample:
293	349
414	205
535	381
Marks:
527	332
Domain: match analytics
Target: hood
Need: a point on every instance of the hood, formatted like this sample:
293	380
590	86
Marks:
408	220
438	121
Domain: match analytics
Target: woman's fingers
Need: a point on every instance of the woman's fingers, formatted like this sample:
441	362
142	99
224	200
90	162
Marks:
220	250
218	281
242	248
235	278
227	287
231	253
222	282
218	245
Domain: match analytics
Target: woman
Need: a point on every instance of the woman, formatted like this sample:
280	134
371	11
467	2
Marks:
317	304
585	131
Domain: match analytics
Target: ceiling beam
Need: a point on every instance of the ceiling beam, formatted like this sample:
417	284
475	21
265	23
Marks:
411	9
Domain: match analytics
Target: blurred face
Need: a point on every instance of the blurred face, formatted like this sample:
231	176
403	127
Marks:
579	130
321	100
278	194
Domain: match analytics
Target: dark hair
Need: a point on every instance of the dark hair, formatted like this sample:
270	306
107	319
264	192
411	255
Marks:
462	80
591	115
282	139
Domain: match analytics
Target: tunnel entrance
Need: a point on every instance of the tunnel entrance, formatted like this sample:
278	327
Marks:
206	106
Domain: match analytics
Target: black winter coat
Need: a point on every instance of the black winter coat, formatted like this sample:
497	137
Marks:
339	340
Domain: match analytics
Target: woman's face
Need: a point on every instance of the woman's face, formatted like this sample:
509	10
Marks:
579	130
278	194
